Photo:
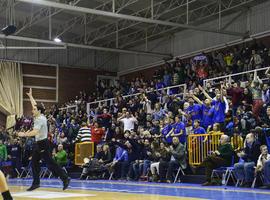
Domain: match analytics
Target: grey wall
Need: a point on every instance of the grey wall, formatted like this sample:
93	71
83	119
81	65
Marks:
71	57
188	41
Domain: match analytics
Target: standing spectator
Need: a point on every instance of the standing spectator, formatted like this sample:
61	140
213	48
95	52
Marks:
105	119
256	91
84	134
255	60
128	120
61	156
166	131
179	130
194	110
197	129
207	112
159	113
167	79
3	152
219	109
236	93
97	133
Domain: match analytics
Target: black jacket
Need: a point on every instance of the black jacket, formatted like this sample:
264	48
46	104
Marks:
252	154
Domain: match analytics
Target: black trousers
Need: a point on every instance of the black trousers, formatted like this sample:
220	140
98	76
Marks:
166	169
212	162
41	150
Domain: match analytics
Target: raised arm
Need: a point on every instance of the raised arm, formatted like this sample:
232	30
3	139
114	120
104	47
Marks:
37	127
32	100
267	73
205	93
197	99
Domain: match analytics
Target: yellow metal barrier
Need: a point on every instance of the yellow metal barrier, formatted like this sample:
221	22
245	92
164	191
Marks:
201	145
83	150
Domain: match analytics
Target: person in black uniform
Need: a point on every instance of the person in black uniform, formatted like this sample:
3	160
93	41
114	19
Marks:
41	147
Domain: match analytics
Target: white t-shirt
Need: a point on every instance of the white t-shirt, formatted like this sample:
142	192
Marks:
128	123
40	124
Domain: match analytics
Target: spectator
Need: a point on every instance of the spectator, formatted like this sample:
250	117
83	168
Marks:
3	152
61	156
84	134
255	61
220	158
256	91
119	165
14	154
263	166
244	171
128	120
178	158
97	133
197	129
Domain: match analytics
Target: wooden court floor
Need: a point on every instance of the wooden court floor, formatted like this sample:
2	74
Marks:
120	190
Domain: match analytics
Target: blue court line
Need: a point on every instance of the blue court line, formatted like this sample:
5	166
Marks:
179	189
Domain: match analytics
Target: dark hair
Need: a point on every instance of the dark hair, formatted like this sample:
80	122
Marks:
41	108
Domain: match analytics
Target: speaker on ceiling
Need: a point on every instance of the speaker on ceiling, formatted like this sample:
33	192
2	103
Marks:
9	30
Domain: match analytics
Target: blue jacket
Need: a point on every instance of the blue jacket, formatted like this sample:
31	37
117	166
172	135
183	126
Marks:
121	155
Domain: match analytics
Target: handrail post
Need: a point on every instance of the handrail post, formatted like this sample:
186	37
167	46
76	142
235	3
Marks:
88	108
204	83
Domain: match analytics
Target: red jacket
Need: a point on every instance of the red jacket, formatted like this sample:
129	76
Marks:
96	134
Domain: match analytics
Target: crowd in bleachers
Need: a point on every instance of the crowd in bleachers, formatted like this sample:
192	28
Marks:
145	137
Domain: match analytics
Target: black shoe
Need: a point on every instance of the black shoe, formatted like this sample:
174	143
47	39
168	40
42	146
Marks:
265	187
66	183
33	187
207	184
246	185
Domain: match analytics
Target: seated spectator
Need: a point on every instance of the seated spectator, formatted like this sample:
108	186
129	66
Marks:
61	156
219	158
178	158
263	166
141	165
244	171
14	155
119	165
94	167
158	155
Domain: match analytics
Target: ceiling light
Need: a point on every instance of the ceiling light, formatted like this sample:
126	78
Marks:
58	40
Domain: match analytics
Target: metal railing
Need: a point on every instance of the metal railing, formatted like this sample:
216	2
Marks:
69	108
83	150
200	146
238	76
109	102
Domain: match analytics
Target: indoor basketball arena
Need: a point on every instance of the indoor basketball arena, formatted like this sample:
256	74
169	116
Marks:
134	99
